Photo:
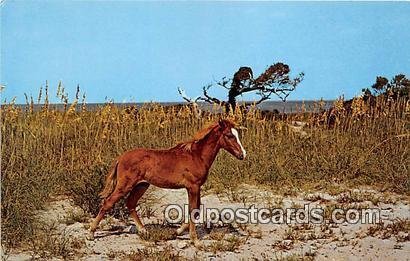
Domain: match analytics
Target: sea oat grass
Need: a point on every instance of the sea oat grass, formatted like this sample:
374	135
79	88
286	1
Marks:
69	151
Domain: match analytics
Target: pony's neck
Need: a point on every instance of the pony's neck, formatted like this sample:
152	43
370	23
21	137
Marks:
208	148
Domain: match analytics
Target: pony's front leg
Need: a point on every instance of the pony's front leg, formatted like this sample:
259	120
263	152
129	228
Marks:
185	226
193	198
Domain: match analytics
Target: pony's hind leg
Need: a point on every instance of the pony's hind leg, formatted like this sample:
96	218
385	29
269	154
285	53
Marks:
119	192
132	200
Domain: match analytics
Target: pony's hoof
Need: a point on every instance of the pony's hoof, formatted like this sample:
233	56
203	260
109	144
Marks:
143	232
90	236
198	244
133	230
180	231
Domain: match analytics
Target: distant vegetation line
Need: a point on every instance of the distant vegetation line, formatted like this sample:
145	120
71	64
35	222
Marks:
284	107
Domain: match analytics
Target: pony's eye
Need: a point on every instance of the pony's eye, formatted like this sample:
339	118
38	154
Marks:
230	136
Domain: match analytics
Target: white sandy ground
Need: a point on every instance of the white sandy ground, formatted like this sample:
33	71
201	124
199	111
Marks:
115	239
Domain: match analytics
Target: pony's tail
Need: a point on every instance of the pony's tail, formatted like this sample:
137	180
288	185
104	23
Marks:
110	182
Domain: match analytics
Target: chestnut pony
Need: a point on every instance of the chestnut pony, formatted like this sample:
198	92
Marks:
184	166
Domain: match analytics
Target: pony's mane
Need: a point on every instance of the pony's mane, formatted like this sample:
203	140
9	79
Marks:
187	145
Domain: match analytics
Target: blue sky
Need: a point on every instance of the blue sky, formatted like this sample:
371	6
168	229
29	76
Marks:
142	51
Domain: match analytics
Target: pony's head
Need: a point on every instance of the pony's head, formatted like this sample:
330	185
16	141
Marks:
229	139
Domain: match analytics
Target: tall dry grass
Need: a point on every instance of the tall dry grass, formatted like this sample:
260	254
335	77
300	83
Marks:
49	152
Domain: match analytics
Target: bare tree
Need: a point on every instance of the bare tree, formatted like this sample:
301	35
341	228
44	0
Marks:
275	80
192	102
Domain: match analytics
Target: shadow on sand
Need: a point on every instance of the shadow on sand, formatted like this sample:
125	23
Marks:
165	232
